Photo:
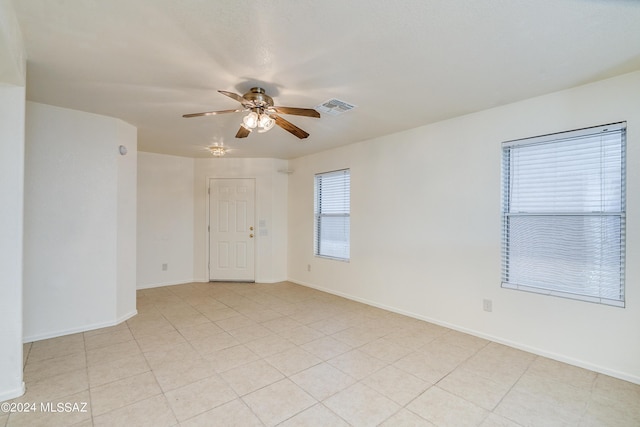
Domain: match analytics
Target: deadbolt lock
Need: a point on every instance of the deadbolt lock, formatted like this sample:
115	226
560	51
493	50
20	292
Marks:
251	228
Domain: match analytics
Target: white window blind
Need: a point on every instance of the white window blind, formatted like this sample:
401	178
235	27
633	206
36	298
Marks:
332	214
563	214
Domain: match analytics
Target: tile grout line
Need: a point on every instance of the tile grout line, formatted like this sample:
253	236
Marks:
86	364
533	359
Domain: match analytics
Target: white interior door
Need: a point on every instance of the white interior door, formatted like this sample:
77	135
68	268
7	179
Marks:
231	230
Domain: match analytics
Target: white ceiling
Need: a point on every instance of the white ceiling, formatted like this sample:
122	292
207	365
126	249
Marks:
403	63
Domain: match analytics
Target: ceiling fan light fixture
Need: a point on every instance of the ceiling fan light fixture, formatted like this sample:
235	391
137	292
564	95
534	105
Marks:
265	123
250	120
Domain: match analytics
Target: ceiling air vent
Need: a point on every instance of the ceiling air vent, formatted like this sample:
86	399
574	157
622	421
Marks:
334	107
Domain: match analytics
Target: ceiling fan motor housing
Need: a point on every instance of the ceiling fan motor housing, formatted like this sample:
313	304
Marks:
258	96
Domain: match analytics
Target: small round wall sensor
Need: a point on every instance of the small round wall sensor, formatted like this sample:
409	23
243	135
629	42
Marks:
123	150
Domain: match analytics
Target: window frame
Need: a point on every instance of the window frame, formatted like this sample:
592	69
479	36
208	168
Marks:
565	289
319	215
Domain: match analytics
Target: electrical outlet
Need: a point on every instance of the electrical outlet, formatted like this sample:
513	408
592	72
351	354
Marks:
487	305
165	266
308	267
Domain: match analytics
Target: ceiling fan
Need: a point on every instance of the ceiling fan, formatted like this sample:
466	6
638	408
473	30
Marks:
263	115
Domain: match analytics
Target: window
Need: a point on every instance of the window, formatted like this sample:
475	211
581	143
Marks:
563	214
332	214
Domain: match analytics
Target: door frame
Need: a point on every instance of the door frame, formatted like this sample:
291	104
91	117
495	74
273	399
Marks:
208	225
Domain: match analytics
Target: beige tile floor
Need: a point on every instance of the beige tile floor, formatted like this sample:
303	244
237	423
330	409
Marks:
203	354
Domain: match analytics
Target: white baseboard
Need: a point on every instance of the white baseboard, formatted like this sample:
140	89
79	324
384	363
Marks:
124	317
198	280
161	284
84	328
12	394
520	346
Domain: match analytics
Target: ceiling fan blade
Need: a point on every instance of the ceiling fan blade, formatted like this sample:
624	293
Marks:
238	98
289	127
308	112
212	113
243	132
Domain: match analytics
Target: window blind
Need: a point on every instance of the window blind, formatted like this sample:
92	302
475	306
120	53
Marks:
563	214
332	214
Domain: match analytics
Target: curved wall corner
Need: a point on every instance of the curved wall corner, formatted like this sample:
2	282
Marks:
79	222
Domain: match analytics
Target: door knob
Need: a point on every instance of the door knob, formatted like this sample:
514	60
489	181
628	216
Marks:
251	235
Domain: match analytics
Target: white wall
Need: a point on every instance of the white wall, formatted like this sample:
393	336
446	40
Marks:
12	116
425	236
12	53
165	219
126	253
271	210
12	100
80	216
